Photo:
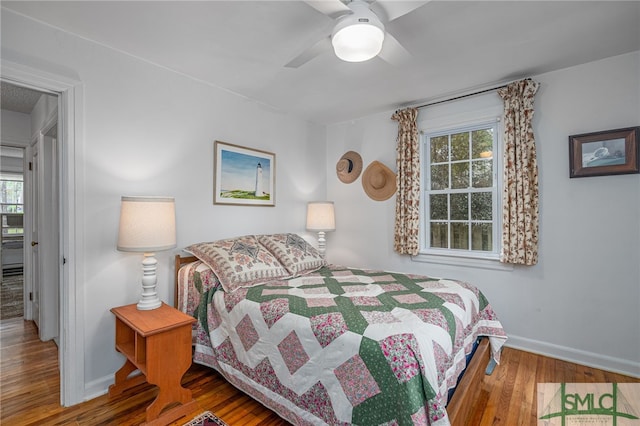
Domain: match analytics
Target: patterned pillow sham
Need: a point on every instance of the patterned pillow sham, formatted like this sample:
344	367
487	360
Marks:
298	256
239	262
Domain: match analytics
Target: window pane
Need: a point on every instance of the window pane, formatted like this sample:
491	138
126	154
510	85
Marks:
482	174
12	208
481	206
438	206
439	149
460	236
482	236
460	146
11	191
440	177
482	143
460	175
12	232
459	206
439	235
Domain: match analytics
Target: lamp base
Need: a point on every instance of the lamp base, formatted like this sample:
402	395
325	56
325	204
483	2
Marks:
149	299
148	305
322	243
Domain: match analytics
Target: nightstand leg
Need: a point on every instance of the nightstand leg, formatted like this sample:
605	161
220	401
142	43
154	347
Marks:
165	397
166	372
123	382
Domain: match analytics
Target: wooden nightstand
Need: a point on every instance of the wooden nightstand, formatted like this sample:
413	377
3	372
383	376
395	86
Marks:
158	343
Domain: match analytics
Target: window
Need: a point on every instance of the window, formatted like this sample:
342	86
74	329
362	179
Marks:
11	193
11	203
460	191
461	172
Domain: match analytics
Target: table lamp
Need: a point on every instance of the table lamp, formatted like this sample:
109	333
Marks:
147	225
321	218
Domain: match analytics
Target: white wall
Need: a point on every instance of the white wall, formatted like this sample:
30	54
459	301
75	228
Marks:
42	111
15	128
582	300
14	131
149	131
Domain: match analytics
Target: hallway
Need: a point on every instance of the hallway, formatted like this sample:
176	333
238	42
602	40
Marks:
11	296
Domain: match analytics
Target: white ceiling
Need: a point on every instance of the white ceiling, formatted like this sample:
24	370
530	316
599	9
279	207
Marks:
18	99
455	46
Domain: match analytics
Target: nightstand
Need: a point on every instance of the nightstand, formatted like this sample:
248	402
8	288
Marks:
158	343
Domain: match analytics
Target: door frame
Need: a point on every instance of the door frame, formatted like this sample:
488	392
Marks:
70	155
31	269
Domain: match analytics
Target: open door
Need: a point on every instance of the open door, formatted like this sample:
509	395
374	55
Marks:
34	295
45	236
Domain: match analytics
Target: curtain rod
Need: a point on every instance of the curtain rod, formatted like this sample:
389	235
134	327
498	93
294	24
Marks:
455	98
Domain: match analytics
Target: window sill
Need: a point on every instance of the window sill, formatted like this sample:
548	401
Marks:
469	262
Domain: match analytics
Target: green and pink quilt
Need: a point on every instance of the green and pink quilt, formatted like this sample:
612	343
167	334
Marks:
341	346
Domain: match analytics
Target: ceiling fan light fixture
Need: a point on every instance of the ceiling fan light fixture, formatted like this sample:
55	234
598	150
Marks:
357	43
358	37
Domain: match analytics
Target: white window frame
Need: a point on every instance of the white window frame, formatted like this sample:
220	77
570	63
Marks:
447	118
426	213
12	177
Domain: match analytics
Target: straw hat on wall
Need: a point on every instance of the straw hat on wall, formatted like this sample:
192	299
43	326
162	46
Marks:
378	181
349	167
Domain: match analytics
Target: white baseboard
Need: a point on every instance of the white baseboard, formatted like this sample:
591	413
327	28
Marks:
590	359
98	387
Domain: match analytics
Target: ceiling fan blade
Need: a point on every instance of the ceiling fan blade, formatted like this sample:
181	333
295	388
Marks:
321	46
331	8
388	10
393	52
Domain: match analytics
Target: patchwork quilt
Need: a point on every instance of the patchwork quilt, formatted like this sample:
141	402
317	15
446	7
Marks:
340	345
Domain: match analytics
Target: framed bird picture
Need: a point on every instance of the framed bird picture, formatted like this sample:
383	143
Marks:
610	152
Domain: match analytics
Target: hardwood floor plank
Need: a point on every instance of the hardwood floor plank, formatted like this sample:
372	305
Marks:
30	389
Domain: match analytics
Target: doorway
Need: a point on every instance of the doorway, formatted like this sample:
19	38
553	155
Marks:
70	262
64	97
12	237
31	115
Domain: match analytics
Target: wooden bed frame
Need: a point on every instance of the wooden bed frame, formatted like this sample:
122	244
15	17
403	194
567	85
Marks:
467	391
180	262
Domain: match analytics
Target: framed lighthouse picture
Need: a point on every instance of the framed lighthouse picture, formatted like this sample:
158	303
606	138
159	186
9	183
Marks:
243	176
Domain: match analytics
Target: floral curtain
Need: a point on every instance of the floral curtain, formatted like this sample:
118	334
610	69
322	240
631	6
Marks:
406	235
520	194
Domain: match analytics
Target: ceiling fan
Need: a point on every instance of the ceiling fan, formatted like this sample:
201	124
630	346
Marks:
358	33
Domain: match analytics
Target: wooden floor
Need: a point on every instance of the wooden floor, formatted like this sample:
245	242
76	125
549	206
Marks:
29	387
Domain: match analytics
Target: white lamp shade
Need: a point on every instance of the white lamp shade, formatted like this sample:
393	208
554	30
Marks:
147	224
321	216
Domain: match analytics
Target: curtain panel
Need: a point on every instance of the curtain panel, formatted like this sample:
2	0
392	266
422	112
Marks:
520	193
407	224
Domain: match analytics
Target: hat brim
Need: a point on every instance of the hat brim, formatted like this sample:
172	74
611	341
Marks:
377	173
349	167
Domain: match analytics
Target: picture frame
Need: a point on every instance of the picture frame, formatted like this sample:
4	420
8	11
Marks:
609	152
243	176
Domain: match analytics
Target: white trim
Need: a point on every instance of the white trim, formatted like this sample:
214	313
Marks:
463	261
590	359
69	92
495	191
100	386
15	142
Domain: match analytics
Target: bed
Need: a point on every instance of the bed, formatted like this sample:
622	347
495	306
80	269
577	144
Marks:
327	344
